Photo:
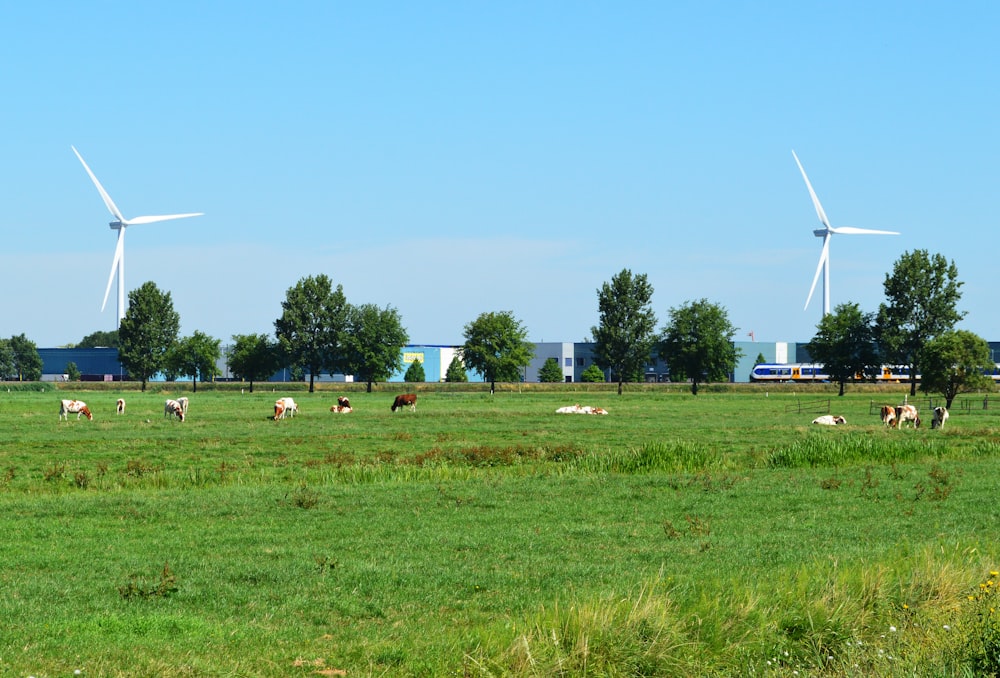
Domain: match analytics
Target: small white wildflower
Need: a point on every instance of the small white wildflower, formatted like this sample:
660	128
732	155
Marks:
947	628
892	629
795	673
768	662
829	657
786	653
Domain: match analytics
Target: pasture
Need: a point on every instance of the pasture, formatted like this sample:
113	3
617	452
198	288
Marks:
484	535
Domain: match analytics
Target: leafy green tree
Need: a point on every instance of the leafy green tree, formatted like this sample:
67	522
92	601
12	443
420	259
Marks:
253	357
759	360
550	372
7	370
845	344
72	371
312	326
922	294
147	332
374	342
415	372
626	333
593	374
697	343
100	340
496	347
956	362
195	356
27	362
456	371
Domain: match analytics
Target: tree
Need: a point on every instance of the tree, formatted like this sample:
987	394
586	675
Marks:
956	362
697	343
921	298
72	371
593	374
195	356
7	370
845	344
27	362
253	357
496	347
759	360
550	372
312	326
147	332
456	371
625	336
415	373
374	342
100	340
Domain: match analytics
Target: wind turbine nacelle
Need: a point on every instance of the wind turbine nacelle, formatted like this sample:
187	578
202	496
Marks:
115	225
819	232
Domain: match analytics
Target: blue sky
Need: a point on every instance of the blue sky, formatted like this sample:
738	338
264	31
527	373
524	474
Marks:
451	158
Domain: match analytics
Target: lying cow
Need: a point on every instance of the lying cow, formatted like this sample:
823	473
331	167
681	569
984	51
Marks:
285	407
829	420
121	406
172	408
940	416
405	400
77	407
888	414
905	413
341	409
578	409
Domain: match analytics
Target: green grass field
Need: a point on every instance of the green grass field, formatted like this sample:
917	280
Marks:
487	536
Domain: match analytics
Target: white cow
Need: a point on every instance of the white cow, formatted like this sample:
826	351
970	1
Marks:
829	420
184	404
905	413
172	408
581	409
940	416
285	407
77	407
121	406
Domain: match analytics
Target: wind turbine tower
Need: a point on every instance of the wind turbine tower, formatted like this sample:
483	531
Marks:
826	233
120	224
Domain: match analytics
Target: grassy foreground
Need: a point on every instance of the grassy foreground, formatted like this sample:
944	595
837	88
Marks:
487	536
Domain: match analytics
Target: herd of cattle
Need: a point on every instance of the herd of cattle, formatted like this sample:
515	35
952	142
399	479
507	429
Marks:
283	407
893	417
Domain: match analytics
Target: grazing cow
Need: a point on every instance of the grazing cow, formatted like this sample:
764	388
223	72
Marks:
888	414
172	408
578	409
184	404
905	413
940	416
121	406
77	407
829	420
285	407
405	400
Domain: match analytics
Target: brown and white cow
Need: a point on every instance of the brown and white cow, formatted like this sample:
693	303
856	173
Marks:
405	400
581	409
121	406
940	417
184	404
343	406
172	408
888	414
77	407
285	407
905	413
829	420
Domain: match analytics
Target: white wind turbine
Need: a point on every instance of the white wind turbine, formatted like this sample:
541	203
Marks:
119	224
826	232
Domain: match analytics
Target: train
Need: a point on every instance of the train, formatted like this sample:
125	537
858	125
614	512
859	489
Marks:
815	372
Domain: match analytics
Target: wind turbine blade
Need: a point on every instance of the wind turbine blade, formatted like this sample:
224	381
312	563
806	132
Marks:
819	208
822	262
164	217
119	253
100	189
850	230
